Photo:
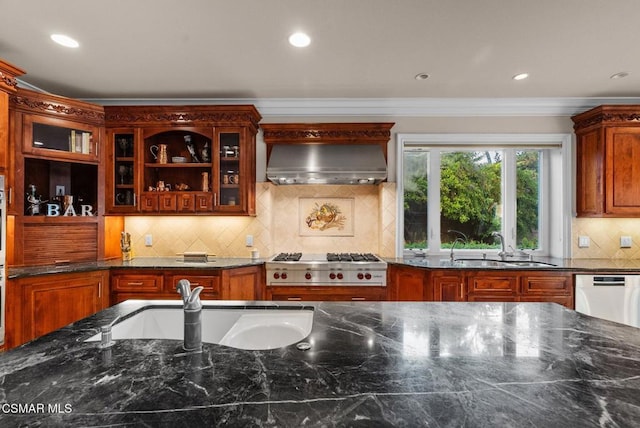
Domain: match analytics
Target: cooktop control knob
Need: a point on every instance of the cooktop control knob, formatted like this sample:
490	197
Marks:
276	275
307	275
340	276
332	275
360	275
284	275
367	275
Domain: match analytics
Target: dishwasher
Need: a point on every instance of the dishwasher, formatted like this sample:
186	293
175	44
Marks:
610	297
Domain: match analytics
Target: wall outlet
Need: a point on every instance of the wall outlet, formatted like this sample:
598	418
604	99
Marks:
248	241
584	241
625	242
148	240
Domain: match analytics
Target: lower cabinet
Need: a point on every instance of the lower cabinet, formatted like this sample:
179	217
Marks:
448	285
39	305
477	285
244	283
408	284
327	293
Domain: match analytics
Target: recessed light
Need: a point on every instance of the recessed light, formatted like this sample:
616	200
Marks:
521	76
421	76
299	40
65	41
619	75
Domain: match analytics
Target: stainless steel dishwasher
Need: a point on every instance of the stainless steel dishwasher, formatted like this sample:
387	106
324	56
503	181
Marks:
611	297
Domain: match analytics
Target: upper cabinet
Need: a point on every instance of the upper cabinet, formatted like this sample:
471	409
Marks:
56	179
8	85
608	161
190	160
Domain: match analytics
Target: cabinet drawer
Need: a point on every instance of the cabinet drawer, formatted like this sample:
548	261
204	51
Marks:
493	284
149	203
547	284
211	284
186	203
167	202
137	283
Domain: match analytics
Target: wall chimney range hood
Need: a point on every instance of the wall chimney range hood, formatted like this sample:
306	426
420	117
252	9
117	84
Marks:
327	153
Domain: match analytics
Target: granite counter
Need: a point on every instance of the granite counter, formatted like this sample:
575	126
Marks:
370	364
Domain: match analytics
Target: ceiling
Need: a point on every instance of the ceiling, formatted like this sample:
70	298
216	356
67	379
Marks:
359	48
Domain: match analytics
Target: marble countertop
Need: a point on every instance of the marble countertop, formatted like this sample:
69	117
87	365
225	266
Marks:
136	263
370	364
429	262
577	265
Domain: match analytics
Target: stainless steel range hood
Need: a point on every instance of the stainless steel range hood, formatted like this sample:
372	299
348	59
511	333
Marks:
327	164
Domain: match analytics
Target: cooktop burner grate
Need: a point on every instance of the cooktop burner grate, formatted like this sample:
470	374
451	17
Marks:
287	257
351	257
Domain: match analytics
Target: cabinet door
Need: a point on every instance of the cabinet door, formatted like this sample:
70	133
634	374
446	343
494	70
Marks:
60	139
51	302
149	202
492	286
623	170
408	284
590	173
235	178
167	202
448	286
121	168
186	203
242	283
547	287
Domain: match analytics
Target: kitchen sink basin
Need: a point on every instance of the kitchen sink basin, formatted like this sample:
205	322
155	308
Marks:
500	263
247	328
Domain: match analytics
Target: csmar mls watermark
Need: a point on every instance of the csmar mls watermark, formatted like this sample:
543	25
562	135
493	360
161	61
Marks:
31	408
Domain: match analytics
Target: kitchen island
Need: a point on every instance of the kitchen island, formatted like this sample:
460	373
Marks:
369	364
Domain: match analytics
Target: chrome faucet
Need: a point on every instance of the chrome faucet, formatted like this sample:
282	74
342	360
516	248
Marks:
192	316
503	253
462	238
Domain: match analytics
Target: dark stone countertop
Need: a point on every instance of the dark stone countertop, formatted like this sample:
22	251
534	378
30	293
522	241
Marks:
579	266
370	364
214	263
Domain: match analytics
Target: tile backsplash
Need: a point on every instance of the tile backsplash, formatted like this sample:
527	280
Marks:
604	236
276	226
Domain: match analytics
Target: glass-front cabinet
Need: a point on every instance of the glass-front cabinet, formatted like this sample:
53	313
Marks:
187	163
60	139
121	193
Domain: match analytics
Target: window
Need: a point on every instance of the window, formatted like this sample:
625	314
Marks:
477	191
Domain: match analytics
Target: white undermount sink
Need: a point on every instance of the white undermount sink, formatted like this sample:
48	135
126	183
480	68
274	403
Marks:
252	329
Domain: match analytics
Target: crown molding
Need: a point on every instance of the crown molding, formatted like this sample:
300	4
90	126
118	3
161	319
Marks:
392	107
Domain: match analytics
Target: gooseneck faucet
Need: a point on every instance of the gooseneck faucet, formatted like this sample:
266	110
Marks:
192	316
461	238
503	253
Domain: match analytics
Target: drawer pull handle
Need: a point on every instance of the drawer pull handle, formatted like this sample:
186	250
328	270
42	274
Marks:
294	298
135	283
358	298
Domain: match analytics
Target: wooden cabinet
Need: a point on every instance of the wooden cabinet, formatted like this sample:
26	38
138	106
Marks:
448	285
545	286
607	161
477	285
39	305
327	293
492	286
406	283
189	160
8	85
57	178
243	283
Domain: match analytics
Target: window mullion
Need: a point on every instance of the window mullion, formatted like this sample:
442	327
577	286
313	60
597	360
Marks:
433	207
509	197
